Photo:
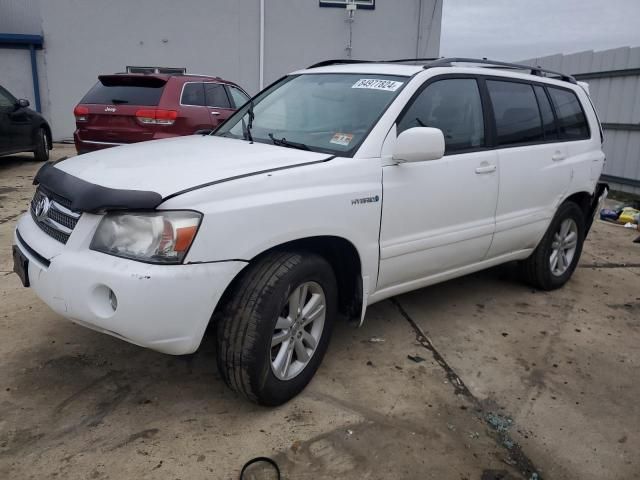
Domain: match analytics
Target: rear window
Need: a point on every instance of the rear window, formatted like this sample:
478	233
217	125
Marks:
114	90
572	122
516	111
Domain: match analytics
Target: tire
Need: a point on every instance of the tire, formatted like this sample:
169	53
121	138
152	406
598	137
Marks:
41	153
545	273
251	319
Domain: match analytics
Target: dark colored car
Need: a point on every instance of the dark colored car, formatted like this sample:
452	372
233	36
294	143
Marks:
22	129
127	108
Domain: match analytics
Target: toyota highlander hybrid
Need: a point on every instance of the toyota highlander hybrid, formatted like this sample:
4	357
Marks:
334	188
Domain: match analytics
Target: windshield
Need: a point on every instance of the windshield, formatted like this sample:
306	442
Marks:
329	112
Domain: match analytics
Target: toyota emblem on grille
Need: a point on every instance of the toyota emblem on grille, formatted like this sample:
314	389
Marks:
42	208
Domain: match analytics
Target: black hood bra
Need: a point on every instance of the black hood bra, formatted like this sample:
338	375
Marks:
89	197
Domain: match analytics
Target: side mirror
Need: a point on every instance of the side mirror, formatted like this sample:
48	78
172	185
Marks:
419	144
22	103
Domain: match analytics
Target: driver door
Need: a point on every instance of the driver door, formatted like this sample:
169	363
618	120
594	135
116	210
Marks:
439	216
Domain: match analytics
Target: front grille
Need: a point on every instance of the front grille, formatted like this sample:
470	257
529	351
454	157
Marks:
52	213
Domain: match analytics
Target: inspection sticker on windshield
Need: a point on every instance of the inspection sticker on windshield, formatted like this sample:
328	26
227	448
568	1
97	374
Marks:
377	84
343	139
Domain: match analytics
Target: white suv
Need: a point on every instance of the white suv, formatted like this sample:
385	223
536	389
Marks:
334	188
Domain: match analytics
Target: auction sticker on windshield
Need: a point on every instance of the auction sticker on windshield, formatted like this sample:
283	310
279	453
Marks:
377	84
343	139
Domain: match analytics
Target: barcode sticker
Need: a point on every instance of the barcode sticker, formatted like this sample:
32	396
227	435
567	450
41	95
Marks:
377	84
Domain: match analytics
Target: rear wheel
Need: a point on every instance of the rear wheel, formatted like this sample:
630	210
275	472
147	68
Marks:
275	327
554	260
41	153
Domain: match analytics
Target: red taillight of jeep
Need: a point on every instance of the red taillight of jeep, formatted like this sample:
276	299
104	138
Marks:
81	113
156	116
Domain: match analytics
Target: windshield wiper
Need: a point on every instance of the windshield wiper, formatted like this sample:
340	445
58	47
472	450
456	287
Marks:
283	142
246	130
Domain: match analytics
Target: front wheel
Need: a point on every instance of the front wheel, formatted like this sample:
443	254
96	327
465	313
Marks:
274	329
552	263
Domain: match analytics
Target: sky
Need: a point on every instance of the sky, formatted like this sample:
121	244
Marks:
523	29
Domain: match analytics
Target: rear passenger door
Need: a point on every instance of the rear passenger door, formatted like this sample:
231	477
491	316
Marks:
534	175
217	102
193	109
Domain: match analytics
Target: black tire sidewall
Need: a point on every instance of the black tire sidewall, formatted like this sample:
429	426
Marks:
273	391
42	152
566	210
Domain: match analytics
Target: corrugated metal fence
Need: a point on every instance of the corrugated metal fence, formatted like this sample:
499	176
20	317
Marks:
614	83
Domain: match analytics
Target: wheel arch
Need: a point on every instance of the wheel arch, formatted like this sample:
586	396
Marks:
340	253
47	129
583	199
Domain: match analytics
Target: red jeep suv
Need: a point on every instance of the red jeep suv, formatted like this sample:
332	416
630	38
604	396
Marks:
129	107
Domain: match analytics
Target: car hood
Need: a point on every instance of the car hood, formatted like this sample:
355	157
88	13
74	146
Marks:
171	165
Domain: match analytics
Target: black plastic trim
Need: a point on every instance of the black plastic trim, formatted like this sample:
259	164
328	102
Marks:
31	251
245	175
92	198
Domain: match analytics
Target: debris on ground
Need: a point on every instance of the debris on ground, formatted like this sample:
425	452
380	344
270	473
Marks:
376	340
621	214
416	358
500	423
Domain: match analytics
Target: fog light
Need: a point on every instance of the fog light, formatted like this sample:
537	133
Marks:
113	300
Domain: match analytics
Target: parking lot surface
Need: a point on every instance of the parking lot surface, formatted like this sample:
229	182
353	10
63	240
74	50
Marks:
477	378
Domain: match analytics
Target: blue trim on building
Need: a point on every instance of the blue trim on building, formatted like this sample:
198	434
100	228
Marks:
33	43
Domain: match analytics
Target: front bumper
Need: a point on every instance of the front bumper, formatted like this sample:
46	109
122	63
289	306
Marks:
163	307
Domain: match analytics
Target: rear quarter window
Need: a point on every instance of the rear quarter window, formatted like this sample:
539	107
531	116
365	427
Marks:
572	122
126	90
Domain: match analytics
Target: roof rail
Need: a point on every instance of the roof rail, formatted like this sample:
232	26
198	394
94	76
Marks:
344	61
449	61
349	61
537	70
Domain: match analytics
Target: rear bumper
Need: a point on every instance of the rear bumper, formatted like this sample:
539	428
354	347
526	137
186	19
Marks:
597	202
163	307
84	146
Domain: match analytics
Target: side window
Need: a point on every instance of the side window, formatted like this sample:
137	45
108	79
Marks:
239	98
548	121
6	99
572	122
216	96
193	94
516	112
453	106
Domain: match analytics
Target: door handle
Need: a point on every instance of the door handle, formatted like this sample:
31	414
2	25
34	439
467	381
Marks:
215	113
558	156
486	169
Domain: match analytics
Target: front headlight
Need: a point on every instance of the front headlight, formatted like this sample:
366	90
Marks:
154	237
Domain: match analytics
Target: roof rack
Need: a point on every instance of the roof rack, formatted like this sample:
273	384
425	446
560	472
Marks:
345	61
449	61
537	70
348	61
